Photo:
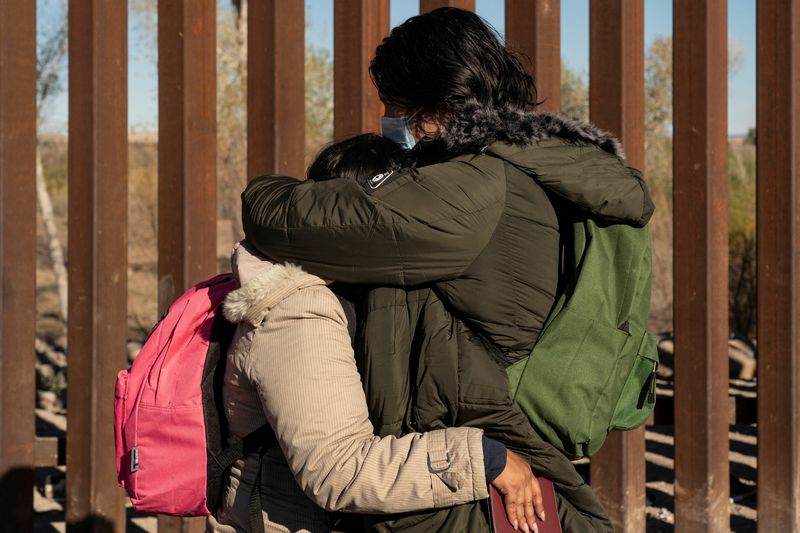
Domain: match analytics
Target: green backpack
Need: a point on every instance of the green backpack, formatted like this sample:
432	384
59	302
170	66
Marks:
593	368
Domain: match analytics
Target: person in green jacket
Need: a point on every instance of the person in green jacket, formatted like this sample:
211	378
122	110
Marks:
460	247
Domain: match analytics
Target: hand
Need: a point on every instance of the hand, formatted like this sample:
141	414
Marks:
521	493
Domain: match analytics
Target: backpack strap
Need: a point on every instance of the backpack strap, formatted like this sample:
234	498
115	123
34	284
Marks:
256	522
259	440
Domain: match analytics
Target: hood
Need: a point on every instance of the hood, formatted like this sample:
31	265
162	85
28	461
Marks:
262	285
478	127
573	159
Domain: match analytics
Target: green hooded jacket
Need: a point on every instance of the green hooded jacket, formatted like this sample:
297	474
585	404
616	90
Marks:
465	252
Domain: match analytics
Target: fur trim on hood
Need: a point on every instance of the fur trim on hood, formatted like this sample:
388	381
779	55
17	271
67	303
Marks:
264	285
477	127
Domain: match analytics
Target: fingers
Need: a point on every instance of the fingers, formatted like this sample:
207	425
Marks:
511	509
522	495
538	501
523	520
530	515
519	507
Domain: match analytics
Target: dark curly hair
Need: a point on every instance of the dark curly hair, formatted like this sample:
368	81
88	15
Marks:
437	62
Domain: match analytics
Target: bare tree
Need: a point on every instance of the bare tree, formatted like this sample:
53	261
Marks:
574	93
49	62
232	107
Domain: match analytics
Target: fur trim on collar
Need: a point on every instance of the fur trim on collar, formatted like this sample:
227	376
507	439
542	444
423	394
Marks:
251	302
477	127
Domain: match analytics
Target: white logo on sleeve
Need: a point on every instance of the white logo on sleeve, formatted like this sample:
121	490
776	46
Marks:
379	179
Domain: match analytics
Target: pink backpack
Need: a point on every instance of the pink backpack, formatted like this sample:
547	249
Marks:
169	427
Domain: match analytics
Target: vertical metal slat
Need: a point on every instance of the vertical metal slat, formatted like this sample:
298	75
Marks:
98	194
430	5
17	260
275	88
778	23
701	265
359	26
534	29
616	98
187	187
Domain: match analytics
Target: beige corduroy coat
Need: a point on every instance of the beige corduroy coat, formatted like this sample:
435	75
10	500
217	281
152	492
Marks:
291	364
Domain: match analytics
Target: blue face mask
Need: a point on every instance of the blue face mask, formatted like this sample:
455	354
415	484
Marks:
396	129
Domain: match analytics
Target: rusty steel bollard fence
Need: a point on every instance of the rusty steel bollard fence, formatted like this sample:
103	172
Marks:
98	119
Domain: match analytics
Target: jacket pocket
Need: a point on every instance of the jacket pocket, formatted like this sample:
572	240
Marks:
169	467
638	396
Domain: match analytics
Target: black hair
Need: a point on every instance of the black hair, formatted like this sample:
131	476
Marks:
442	60
358	158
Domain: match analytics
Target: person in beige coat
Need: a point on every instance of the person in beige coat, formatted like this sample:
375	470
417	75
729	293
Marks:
291	365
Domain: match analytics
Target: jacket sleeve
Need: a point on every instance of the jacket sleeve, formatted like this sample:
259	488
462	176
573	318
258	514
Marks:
596	181
305	373
420	225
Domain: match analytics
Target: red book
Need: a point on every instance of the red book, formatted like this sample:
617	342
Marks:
497	510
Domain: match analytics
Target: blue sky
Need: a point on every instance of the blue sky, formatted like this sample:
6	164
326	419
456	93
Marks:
574	49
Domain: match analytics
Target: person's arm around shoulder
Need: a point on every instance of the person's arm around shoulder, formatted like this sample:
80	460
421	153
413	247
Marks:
590	177
414	226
